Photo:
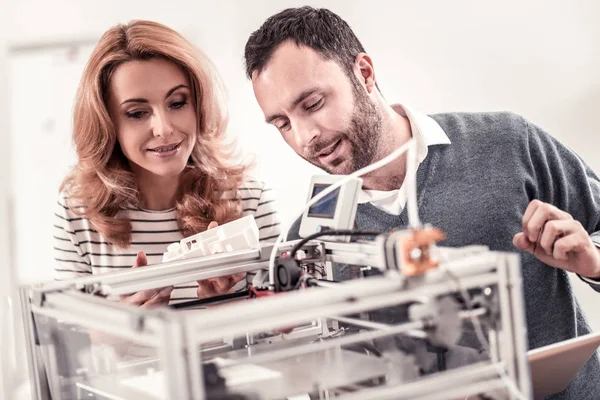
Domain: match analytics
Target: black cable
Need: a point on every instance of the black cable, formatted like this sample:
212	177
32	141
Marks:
312	282
315	281
364	347
210	300
345	232
441	360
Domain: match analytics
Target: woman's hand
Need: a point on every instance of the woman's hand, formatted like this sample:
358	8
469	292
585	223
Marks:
217	286
151	297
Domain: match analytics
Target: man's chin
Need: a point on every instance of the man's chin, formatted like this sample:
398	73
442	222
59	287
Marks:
345	168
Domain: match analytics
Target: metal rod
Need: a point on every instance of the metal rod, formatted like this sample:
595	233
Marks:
358	337
352	297
136	279
178	368
440	383
513	265
506	343
466	391
363	323
37	372
330	343
126	321
382	327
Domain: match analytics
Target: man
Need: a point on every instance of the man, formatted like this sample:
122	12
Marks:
490	178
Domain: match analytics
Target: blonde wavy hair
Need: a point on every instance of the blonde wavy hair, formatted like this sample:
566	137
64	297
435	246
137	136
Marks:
102	181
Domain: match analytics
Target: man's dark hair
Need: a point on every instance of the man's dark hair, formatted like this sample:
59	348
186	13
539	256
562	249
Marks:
319	29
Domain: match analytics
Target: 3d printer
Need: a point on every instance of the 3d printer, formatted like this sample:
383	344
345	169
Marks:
419	322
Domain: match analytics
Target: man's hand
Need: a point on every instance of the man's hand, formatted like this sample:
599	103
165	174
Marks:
217	286
147	298
556	239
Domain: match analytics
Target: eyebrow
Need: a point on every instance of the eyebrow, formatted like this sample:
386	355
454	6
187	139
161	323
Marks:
299	99
141	100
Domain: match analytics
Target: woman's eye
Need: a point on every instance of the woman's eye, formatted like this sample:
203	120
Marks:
179	104
135	114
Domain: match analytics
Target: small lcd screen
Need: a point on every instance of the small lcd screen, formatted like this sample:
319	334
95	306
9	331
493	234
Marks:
324	208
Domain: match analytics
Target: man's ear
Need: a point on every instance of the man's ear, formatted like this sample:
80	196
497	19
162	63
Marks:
364	71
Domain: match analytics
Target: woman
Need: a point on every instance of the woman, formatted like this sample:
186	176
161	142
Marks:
153	167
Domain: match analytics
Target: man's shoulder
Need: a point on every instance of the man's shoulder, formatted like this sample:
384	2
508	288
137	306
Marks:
484	128
498	120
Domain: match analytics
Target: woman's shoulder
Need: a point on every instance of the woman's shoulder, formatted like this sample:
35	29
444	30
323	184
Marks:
248	189
257	199
73	204
70	219
69	205
252	186
251	182
255	191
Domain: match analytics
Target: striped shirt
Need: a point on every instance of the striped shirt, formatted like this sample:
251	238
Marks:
79	250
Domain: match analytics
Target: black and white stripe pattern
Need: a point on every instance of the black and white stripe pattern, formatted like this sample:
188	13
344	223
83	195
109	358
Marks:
79	250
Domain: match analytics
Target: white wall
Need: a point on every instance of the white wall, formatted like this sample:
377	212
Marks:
434	55
541	61
4	129
7	364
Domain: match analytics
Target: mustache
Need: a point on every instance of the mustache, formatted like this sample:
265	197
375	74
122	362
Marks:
313	150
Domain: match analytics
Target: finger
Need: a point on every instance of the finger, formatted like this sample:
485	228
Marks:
531	207
536	223
573	243
529	212
238	277
149	295
156	301
206	289
136	301
213	224
166	291
162	297
130	300
222	284
521	242
284	330
543	213
554	230
141	260
139	298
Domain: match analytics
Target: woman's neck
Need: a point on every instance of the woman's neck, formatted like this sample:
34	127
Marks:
157	193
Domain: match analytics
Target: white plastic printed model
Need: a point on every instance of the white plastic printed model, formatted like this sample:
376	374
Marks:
241	234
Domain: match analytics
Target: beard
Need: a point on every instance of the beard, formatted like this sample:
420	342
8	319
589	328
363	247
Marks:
363	136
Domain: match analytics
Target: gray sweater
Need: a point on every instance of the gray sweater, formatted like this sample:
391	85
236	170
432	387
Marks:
477	189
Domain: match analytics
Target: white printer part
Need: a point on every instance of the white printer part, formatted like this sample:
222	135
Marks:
241	234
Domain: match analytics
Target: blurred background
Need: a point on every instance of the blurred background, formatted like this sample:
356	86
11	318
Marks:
538	58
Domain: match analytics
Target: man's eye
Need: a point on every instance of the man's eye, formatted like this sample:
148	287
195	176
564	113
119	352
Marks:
315	105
